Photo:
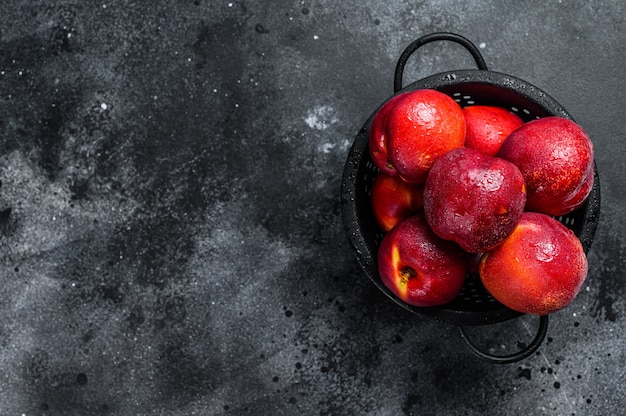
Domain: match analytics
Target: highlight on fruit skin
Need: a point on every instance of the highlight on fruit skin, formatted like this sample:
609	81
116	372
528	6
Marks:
538	269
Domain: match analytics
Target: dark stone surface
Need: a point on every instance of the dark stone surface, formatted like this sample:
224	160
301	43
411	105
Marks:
171	237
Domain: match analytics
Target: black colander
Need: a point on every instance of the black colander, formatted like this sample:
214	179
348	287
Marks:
474	305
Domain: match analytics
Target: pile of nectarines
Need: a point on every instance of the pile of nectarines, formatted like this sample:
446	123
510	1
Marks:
455	184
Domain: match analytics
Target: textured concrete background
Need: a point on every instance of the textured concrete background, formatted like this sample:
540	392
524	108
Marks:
171	240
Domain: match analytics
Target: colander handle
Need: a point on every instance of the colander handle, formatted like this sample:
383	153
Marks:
520	355
416	44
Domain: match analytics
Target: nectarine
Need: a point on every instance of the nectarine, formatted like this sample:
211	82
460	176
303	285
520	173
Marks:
555	156
393	200
412	130
418	267
473	199
488	126
538	269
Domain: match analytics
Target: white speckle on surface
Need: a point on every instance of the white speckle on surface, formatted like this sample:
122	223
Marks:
482	45
320	117
104	106
315	37
327	147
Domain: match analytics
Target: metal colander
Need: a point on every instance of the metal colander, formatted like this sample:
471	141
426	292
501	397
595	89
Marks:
474	305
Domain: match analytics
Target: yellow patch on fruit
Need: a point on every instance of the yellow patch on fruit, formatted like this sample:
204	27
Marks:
395	257
405	273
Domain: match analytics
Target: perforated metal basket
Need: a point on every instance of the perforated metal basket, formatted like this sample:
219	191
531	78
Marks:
474	305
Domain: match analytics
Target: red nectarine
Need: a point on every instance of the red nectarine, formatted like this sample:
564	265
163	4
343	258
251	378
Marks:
473	199
555	155
488	126
393	200
412	130
418	267
538	269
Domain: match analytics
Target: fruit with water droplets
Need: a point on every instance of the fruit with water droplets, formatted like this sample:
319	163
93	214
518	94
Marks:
412	130
488	126
473	199
555	156
538	269
418	267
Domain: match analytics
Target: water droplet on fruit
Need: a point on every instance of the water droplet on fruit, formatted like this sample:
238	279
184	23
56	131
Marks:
545	251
